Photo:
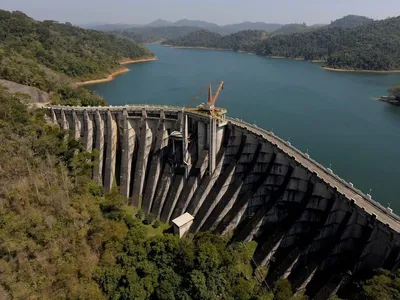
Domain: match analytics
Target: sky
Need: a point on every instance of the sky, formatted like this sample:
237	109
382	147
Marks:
217	11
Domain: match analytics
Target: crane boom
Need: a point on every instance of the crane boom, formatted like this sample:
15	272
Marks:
220	87
197	97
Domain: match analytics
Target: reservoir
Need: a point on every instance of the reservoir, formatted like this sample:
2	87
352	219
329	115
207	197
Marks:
330	115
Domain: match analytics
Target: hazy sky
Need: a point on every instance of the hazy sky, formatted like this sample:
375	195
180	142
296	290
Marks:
217	11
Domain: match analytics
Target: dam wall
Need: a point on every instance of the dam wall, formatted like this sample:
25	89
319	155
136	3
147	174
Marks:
311	226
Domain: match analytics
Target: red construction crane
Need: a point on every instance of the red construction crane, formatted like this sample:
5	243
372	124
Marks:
209	108
212	99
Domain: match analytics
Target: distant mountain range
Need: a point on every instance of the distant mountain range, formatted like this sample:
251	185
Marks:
226	29
165	30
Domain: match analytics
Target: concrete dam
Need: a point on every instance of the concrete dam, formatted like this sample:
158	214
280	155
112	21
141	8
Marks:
236	179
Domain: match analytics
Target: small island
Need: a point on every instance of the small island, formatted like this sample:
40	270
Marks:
393	95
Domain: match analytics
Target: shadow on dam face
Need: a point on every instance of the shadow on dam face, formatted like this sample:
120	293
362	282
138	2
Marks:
311	227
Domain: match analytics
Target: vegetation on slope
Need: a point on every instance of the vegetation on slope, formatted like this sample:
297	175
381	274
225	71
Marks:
292	28
60	238
350	21
369	47
49	55
243	40
394	91
155	34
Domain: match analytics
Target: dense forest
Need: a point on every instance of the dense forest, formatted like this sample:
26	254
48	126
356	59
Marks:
50	56
243	40
369	47
374	46
350	21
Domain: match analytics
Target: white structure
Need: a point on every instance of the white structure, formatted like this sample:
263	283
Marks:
182	224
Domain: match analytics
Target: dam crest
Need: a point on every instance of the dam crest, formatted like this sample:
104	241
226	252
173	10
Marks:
236	179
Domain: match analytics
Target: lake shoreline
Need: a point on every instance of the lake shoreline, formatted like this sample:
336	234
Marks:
137	61
200	48
291	58
241	51
360	71
114	74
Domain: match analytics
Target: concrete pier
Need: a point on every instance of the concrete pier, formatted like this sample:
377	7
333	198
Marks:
128	149
88	131
146	137
99	146
111	152
236	179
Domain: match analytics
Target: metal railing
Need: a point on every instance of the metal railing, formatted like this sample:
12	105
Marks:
329	172
118	107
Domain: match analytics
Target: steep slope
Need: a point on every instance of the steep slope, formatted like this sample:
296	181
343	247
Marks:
47	55
350	21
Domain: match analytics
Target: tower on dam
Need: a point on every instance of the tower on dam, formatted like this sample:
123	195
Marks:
204	126
235	179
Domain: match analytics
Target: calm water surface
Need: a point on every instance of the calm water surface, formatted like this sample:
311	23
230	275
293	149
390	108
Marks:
330	114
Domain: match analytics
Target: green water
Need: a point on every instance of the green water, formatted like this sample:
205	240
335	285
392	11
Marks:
331	114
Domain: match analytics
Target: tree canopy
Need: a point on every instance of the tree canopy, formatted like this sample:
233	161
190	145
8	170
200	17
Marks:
394	91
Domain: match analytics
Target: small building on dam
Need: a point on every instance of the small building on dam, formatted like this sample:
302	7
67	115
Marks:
236	179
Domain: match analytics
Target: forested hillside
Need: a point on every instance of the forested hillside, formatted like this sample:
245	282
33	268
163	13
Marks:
48	54
155	34
292	28
350	21
374	46
243	40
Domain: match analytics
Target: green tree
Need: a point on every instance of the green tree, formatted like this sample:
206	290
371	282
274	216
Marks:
283	290
384	285
394	91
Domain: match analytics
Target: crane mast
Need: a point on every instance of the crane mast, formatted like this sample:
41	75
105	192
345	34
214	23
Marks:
212	99
208	108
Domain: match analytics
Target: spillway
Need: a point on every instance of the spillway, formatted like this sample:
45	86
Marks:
236	179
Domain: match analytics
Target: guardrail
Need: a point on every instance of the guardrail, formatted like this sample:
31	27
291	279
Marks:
329	172
118	107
